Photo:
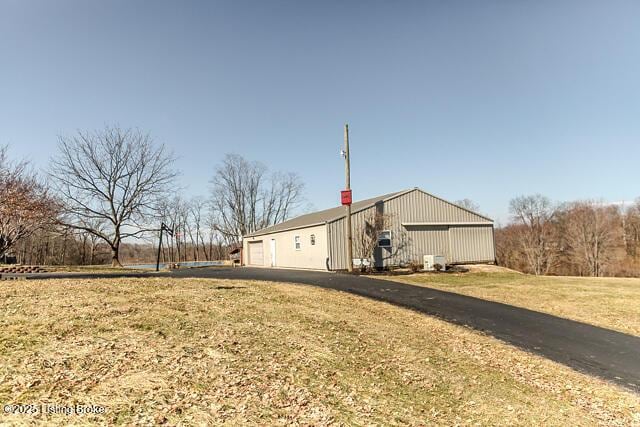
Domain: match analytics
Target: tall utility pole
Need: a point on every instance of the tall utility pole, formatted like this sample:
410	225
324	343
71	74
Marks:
347	171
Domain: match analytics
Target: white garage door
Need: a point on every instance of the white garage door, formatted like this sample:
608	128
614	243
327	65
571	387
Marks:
256	253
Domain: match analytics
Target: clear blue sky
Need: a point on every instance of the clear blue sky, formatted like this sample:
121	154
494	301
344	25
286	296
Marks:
485	100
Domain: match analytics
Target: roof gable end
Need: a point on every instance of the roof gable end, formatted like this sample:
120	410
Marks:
338	212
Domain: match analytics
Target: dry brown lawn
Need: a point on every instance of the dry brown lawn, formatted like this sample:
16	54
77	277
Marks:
93	269
612	303
206	352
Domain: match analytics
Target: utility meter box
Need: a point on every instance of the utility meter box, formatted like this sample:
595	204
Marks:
431	260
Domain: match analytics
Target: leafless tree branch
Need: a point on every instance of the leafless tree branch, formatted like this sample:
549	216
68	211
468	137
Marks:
111	182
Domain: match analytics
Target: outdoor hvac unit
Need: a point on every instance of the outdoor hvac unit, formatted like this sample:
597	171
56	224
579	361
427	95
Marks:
359	262
431	260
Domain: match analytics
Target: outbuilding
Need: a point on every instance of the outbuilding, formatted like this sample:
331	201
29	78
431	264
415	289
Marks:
408	225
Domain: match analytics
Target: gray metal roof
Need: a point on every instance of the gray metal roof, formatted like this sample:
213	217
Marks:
321	217
333	214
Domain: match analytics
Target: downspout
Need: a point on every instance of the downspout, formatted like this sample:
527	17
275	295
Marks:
493	234
328	265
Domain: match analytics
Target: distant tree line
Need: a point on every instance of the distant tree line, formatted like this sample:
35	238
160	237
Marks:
583	238
106	192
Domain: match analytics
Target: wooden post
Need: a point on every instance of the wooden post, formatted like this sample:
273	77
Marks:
347	170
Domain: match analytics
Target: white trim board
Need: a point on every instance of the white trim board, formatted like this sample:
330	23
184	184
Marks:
448	223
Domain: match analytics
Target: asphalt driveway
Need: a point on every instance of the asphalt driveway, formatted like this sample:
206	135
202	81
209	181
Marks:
607	354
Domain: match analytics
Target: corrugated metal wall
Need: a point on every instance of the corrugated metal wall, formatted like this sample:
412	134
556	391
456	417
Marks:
424	240
471	243
417	206
459	244
336	237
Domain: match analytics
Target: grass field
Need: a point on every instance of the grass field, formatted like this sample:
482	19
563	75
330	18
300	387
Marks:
612	303
203	352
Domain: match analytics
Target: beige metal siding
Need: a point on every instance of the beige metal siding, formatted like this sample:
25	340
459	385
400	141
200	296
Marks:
411	242
287	256
337	249
471	244
426	240
417	206
336	235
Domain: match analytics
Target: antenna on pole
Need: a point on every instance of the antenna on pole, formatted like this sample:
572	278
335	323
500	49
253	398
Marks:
347	201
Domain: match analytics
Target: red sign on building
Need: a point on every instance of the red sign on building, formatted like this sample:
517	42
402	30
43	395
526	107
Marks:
345	196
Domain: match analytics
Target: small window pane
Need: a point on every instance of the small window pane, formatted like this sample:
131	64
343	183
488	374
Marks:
296	239
384	239
313	239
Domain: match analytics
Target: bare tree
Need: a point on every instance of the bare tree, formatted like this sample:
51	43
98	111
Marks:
537	238
367	235
114	177
197	210
25	205
578	238
216	248
468	204
631	229
591	232
508	246
283	194
86	243
90	239
176	213
246	198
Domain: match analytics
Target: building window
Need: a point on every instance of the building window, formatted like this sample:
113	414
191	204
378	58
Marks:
384	239
313	240
296	241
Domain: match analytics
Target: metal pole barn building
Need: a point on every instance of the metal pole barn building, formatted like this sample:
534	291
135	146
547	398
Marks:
417	224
